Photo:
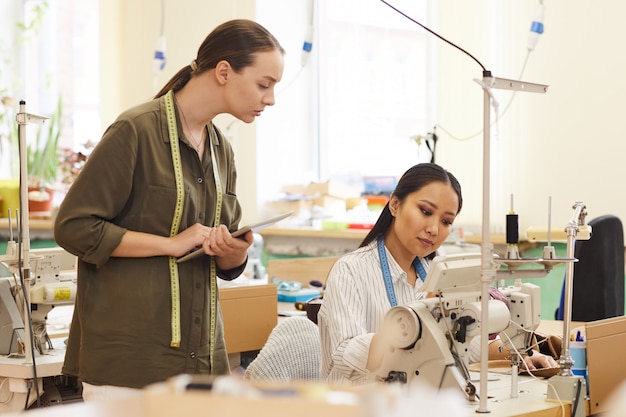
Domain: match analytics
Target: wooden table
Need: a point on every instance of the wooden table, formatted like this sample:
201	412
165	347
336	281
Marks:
166	401
303	400
307	241
38	228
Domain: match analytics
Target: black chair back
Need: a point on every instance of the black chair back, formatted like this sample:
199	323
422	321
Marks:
598	290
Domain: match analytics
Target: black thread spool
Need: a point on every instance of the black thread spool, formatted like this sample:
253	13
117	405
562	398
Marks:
512	229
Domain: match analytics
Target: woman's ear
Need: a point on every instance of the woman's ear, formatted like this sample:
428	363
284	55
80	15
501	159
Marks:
222	70
394	203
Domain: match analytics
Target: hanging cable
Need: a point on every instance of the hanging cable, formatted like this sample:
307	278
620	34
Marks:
436	34
536	29
307	47
159	50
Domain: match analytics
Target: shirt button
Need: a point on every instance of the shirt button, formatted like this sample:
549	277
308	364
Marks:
200	180
192	355
198	285
197	320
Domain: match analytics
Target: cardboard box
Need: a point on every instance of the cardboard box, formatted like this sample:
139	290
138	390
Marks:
282	401
330	202
606	368
302	270
283	206
250	313
331	188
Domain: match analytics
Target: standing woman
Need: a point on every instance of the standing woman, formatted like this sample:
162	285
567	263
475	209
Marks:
161	183
412	226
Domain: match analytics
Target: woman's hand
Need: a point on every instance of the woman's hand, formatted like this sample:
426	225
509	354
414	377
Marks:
141	245
215	241
539	361
230	251
189	239
497	351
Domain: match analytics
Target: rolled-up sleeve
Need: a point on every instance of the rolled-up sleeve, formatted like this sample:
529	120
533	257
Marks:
84	223
344	326
355	303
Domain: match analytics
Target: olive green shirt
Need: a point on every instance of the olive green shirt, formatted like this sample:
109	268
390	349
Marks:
121	330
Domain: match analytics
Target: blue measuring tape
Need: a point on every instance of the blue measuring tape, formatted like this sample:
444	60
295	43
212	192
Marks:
382	254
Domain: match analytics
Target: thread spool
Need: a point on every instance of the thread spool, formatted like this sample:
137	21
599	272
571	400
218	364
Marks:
512	229
53	293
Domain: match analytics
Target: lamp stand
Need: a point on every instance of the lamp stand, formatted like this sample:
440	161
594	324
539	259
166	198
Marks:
488	269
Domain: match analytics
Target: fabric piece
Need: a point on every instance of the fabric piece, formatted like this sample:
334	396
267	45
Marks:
291	353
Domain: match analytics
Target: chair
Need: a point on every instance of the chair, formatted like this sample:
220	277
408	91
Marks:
598	285
292	353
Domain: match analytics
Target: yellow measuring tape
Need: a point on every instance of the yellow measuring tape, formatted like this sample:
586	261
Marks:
174	279
178	210
218	214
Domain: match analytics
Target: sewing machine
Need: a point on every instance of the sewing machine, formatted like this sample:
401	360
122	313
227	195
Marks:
52	283
30	367
429	340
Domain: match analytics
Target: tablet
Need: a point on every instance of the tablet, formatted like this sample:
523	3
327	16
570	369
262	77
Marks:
240	232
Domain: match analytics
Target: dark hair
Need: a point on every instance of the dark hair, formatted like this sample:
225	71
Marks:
417	177
235	41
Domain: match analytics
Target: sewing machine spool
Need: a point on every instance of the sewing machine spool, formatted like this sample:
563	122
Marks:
402	327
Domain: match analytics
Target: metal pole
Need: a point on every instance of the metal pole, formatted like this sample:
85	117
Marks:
565	360
487	268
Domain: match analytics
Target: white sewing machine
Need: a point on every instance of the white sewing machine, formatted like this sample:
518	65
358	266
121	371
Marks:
429	339
52	283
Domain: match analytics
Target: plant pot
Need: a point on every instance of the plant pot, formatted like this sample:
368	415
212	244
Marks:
10	192
40	202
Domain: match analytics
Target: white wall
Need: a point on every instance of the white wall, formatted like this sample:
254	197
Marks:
565	144
286	151
568	143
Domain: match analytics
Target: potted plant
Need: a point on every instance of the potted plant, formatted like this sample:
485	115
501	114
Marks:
42	160
72	162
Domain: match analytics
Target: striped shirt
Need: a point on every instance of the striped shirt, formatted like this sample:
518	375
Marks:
354	307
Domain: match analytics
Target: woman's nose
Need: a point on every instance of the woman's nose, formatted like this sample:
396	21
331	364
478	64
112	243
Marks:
432	227
269	99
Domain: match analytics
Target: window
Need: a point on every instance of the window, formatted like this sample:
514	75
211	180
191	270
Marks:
352	109
63	60
51	51
375	77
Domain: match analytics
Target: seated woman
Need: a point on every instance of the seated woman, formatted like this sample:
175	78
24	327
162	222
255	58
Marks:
387	270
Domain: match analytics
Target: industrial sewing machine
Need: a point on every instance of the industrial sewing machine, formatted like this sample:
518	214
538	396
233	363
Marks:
30	364
52	282
429	340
